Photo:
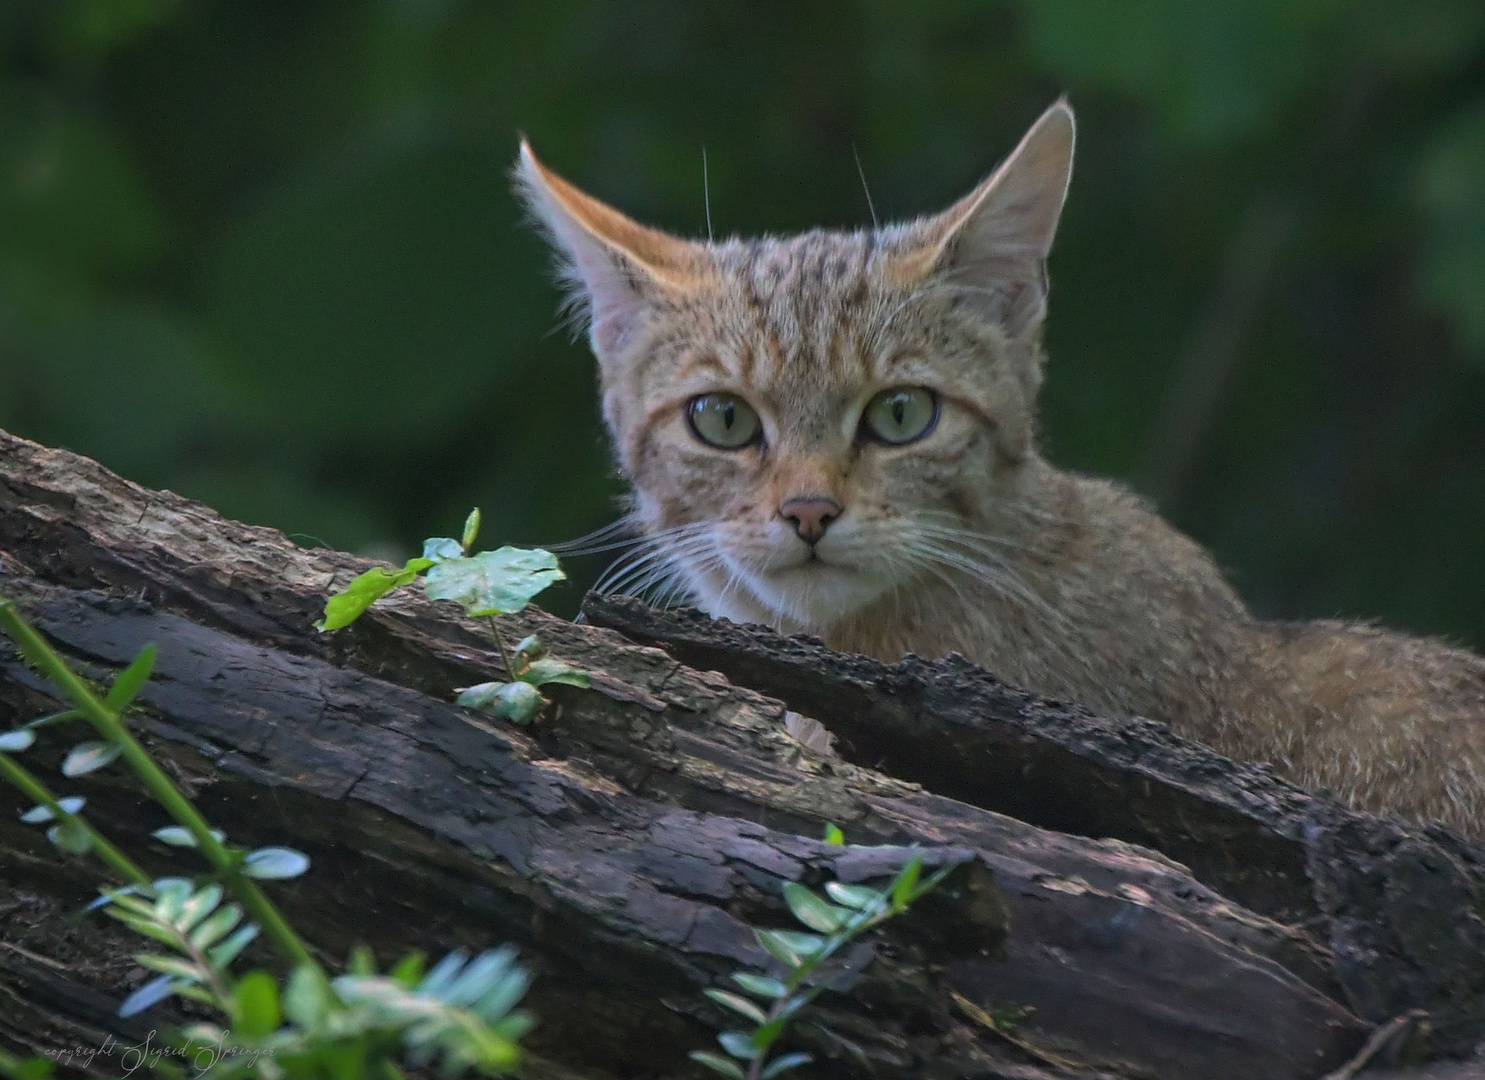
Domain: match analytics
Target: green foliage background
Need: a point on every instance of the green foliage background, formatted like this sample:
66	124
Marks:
265	254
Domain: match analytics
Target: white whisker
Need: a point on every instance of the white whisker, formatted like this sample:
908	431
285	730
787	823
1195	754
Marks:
653	567
1005	580
965	536
614	534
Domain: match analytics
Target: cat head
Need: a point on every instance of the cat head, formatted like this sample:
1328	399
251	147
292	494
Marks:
813	423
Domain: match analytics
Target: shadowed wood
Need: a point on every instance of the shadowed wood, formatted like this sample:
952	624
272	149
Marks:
627	844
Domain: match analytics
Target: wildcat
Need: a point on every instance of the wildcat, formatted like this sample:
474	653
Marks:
834	433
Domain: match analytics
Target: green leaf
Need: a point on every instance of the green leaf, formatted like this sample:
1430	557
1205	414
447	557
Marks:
809	909
131	680
256	1008
409	970
798	944
789	946
111	896
180	836
223	954
33	1068
345	607
151	993
738	1045
493	582
905	882
854	896
518	706
197	907
126	900
174	966
212	929
546	671
505	983
761	985
784	1064
737	1003
437	549
13	742
309	998
482	696
518	702
514	1025
146	926
171	895
833	835
275	863
530	647
443	974
89	757
344	1059
71	836
480	976
362	961
717	1063
37	815
471	529
501	997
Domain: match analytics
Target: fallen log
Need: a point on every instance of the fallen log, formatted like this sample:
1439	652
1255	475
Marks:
1398	907
627	843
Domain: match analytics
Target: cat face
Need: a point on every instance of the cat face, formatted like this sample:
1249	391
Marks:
816	423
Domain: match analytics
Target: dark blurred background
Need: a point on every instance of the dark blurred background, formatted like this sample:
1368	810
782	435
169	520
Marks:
266	254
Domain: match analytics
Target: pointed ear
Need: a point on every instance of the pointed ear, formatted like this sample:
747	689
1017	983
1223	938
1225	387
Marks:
616	268
994	242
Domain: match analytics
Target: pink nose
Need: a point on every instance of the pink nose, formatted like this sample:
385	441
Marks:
811	515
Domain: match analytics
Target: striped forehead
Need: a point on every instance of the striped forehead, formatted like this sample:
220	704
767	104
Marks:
799	319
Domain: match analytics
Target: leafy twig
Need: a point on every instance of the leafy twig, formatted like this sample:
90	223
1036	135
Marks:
857	909
461	1012
491	583
107	721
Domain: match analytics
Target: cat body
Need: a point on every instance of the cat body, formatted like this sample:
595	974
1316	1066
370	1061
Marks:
834	433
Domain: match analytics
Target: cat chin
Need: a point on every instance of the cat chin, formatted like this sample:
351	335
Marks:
809	598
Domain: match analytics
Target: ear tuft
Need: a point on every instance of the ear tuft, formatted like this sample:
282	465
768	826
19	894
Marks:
614	268
993	243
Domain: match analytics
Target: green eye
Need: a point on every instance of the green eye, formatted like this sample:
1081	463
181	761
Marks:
724	420
900	415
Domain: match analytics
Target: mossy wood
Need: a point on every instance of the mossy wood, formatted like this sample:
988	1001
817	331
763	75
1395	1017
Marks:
628	840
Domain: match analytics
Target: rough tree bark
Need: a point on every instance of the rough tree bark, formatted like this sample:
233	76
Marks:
1162	911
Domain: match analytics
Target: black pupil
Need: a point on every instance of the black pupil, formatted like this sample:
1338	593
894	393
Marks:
729	413
899	408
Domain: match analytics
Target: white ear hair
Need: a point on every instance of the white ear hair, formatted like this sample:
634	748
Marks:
994	242
613	267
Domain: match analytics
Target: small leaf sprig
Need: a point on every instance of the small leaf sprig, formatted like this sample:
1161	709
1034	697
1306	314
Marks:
461	1013
69	831
488	584
194	923
856	909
